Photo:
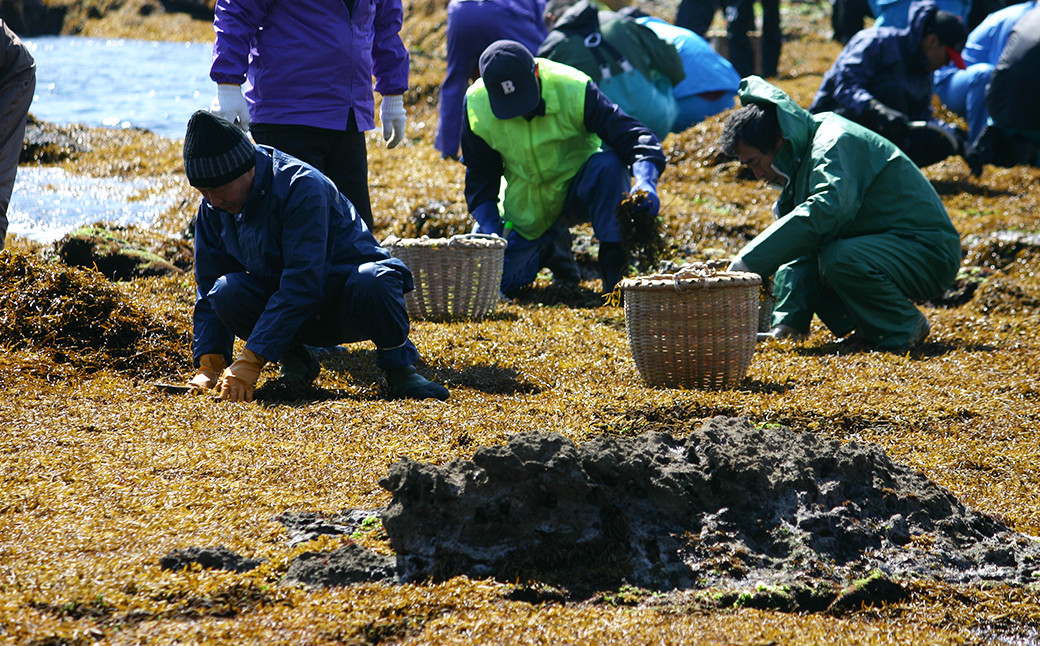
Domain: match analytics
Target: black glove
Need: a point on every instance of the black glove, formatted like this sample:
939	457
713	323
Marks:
892	124
984	150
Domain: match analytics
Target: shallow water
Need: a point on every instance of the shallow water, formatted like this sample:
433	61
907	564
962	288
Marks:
120	83
117	83
48	202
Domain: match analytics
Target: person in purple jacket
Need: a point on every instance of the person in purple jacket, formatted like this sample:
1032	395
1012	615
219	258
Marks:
472	26
306	68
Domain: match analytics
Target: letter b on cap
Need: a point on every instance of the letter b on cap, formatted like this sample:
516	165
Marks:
508	87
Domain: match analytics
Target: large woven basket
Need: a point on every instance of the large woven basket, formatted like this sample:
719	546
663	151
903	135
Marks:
455	278
692	329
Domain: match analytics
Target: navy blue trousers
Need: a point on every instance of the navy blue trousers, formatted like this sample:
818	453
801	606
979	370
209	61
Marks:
366	304
594	195
341	155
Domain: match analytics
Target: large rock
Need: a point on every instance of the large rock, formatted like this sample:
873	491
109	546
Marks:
107	250
728	506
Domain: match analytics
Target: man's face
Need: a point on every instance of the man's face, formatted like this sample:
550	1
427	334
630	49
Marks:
760	163
231	197
935	52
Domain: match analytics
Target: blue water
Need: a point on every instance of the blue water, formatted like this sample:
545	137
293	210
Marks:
120	83
49	202
105	83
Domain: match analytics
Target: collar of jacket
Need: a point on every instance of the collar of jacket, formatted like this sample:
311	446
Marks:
261	182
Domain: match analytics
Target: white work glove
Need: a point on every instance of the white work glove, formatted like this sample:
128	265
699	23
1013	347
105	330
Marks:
231	105
391	113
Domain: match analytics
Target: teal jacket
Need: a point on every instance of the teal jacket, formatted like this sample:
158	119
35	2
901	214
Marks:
643	89
845	181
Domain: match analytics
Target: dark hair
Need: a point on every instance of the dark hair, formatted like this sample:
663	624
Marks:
754	125
948	28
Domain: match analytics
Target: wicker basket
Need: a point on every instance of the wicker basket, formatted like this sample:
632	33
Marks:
694	328
455	278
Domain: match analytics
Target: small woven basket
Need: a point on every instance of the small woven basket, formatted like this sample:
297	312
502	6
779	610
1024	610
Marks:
692	329
455	278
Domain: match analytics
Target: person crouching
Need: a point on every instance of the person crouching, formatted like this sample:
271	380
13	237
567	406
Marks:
283	261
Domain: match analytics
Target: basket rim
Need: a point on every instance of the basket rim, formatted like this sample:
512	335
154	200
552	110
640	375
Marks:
456	241
678	282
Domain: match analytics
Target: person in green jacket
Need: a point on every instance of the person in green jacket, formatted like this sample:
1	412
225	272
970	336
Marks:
861	234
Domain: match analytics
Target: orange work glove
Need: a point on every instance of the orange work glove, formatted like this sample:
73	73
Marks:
239	379
210	367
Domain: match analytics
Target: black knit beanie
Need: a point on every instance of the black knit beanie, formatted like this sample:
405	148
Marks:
215	151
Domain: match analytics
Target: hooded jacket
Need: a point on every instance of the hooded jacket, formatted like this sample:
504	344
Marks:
1014	90
706	71
883	63
15	58
647	97
297	233
844	181
310	62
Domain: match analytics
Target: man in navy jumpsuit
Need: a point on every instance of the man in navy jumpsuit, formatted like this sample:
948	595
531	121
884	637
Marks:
283	261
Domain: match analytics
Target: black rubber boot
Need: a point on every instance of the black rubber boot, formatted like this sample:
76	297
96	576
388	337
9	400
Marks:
560	261
406	383
612	263
300	365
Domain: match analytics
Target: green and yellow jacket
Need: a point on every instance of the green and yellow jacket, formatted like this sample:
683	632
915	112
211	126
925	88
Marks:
539	156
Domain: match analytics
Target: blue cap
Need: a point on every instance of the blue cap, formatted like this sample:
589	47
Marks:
508	71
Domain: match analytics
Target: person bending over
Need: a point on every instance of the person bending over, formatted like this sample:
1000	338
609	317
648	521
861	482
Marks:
541	126
860	233
283	261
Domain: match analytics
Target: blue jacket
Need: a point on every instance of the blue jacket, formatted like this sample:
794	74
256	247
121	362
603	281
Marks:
298	234
882	63
987	40
472	26
310	62
706	71
896	13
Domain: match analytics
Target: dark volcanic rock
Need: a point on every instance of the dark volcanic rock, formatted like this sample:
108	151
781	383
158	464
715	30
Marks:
728	506
46	143
214	558
306	526
343	566
32	17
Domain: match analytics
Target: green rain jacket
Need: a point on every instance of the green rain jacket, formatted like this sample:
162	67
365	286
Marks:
845	181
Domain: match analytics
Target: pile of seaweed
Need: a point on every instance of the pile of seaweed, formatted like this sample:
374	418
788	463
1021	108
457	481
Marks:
77	316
